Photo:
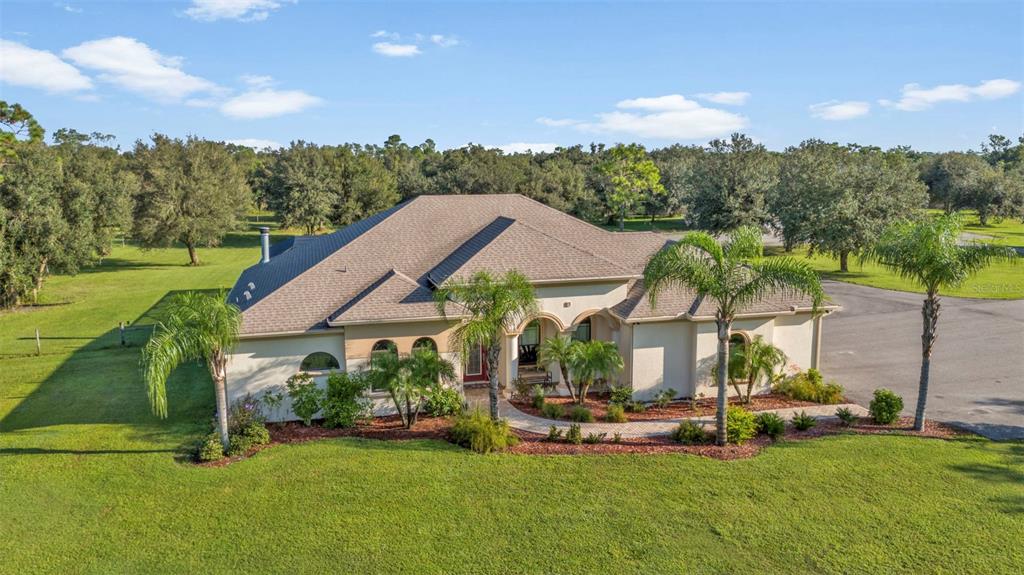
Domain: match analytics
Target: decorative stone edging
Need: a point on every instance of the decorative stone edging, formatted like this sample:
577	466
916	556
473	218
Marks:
533	424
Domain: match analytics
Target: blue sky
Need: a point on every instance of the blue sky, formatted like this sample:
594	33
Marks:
932	75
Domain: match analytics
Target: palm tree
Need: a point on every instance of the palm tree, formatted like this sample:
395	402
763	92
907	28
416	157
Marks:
558	349
198	327
930	254
753	362
494	307
410	379
590	360
732	274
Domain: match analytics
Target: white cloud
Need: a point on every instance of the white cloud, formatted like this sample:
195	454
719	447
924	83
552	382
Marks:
255	143
557	123
241	10
134	66
444	41
914	98
396	50
522	147
671	117
395	36
836	110
255	81
24	66
726	98
267	103
70	8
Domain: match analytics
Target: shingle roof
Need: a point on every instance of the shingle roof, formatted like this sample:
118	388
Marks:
381	268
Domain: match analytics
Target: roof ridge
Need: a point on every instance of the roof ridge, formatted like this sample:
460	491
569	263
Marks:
575	247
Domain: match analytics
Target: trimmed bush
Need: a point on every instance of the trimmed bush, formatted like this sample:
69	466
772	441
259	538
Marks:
444	402
616	414
208	448
740	425
251	436
537	399
810	386
574	435
307	398
477	431
771	425
846	416
664	398
803	422
554	434
621	395
885	407
689	433
593	438
553	410
636	407
243	412
344	402
617	438
581	414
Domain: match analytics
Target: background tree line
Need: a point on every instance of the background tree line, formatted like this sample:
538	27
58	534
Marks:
62	204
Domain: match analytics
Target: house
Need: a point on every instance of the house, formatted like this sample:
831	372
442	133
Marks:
330	302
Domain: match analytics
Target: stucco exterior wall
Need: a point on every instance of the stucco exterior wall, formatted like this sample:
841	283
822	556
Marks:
359	339
570	301
795	335
258	364
662	358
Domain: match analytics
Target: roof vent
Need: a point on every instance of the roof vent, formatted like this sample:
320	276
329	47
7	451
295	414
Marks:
264	245
252	286
248	296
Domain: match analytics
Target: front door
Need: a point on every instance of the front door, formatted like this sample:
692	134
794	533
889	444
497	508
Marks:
474	369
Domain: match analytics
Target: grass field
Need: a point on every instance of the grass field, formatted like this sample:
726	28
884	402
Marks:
90	481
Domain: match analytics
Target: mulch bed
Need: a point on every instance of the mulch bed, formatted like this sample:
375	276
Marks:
390	429
598	405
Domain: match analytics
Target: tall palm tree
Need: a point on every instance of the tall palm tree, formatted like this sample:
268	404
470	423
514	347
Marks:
753	362
494	306
198	327
732	274
410	379
558	349
590	360
929	253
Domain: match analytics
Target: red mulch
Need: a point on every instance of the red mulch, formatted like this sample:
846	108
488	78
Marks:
390	429
598	405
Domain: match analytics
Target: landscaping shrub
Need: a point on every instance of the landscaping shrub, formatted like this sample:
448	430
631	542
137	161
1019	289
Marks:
771	425
306	396
553	410
444	402
252	435
345	402
209	449
616	414
522	389
593	438
846	416
636	407
621	395
537	399
581	414
477	431
803	422
885	407
554	433
810	386
617	438
664	397
243	412
740	425
574	435
689	433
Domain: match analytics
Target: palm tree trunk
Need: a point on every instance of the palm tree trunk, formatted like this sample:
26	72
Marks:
493	353
565	378
220	390
930	316
723	367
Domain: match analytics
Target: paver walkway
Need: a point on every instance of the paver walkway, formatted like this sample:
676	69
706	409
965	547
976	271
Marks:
533	424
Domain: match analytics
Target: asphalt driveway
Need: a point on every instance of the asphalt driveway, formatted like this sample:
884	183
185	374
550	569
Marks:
977	373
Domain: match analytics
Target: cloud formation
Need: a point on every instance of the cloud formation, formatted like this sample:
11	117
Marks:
671	117
444	41
267	103
241	10
726	98
914	98
393	50
134	66
24	66
836	110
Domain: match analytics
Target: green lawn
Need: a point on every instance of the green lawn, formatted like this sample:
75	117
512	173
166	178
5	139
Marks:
90	481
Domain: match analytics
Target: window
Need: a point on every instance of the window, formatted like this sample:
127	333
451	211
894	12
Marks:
582	331
382	348
474	360
424	343
531	334
737	340
319	361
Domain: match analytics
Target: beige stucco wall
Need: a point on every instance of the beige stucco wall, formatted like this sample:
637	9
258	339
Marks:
662	358
569	301
256	365
359	339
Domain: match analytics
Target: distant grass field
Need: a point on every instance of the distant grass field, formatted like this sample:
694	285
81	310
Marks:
90	481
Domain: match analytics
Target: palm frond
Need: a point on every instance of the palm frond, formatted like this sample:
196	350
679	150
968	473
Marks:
682	265
779	275
744	243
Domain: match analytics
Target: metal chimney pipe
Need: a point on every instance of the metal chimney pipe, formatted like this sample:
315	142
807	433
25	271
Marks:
264	245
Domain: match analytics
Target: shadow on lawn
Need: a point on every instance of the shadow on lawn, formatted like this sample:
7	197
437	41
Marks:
100	383
41	451
1011	472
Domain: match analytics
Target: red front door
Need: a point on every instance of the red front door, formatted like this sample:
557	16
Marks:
474	369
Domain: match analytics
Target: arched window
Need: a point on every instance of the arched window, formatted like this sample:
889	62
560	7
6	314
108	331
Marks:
737	340
319	361
384	346
425	344
582	331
